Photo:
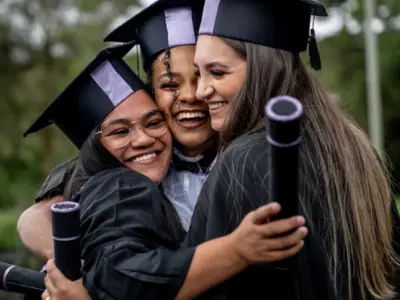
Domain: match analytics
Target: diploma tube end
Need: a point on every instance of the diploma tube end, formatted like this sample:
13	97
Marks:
65	207
283	109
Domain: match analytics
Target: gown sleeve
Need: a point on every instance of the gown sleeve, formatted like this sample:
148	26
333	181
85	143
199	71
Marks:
55	182
238	184
129	249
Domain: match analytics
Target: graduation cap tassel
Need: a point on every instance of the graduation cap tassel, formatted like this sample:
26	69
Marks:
138	62
315	59
137	56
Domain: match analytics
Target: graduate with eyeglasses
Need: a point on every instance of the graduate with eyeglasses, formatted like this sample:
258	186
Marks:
166	34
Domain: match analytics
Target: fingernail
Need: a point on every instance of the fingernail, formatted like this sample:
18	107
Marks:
300	220
303	230
275	206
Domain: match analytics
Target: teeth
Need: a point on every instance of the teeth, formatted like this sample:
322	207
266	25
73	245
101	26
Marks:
215	105
191	115
144	157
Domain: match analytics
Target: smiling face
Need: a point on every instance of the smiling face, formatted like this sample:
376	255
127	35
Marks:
136	133
187	116
221	73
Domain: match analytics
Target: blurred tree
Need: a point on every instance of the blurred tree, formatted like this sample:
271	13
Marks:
344	70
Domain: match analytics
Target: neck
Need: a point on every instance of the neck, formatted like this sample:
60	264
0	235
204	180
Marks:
210	145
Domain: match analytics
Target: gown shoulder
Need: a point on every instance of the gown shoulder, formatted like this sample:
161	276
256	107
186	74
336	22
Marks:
129	249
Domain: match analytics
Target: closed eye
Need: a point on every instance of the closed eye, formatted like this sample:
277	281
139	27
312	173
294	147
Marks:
153	124
217	73
120	131
169	86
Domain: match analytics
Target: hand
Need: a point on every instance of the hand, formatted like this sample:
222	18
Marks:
259	241
58	287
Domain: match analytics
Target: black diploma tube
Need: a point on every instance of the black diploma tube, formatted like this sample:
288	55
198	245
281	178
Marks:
284	115
20	280
66	238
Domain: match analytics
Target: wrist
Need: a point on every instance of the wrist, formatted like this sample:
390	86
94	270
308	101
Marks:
232	248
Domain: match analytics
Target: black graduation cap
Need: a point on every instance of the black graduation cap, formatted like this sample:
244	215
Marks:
91	96
281	24
162	25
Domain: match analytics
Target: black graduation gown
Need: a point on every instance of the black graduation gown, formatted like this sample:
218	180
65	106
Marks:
221	206
130	239
56	180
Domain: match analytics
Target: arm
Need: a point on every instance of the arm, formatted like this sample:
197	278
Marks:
34	224
34	228
213	261
59	287
128	253
217	260
237	184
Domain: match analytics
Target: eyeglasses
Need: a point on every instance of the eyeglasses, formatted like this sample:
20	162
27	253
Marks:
117	133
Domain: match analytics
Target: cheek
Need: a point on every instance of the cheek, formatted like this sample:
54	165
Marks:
227	87
164	100
116	153
234	83
166	139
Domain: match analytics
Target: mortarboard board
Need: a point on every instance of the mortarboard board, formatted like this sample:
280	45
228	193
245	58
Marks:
280	24
162	25
91	96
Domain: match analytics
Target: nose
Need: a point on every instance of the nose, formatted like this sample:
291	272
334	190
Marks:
140	139
204	89
187	93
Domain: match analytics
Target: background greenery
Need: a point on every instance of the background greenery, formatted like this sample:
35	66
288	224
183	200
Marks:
44	44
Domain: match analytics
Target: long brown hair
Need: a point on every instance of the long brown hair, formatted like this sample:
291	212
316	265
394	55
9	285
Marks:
356	206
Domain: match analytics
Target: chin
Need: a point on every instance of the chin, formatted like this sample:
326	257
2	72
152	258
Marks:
156	177
193	140
217	124
158	173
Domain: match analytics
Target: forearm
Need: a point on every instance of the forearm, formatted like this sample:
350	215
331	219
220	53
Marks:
213	263
34	228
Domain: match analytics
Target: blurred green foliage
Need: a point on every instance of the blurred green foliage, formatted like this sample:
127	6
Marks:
8	233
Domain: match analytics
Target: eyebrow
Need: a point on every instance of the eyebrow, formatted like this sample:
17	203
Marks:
115	121
165	74
145	115
151	113
213	64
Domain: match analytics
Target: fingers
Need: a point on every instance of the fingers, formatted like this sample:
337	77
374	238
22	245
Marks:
287	241
282	226
51	289
45	294
283	254
261	215
55	274
50	263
